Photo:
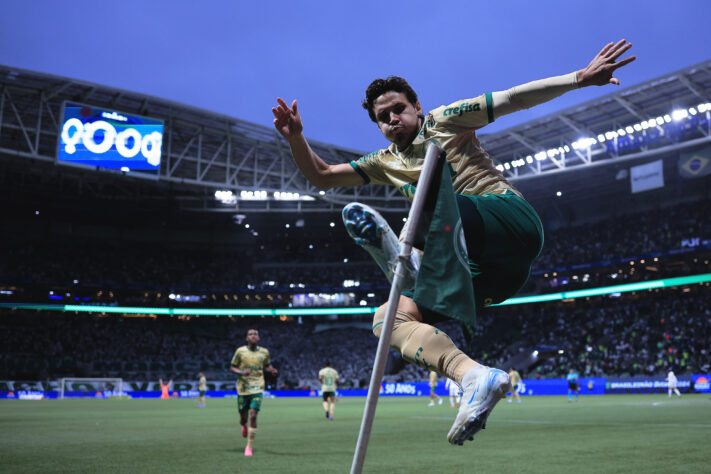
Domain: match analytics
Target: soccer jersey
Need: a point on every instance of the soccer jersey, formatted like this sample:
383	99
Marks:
254	360
453	128
433	378
572	377
515	377
202	385
329	377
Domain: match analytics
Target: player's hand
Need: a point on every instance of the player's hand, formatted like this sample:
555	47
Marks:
601	69
246	371
273	371
287	119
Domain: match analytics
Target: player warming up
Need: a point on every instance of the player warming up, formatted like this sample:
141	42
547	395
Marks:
671	384
249	363
573	385
515	378
329	380
433	387
502	231
454	393
202	388
165	389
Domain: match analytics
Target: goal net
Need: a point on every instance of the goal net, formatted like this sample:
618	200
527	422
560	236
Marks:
90	387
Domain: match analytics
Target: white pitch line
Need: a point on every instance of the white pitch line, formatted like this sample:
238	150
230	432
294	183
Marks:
543	422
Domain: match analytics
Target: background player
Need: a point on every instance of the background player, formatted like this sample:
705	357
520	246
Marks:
202	388
433	387
329	380
249	362
573	385
671	384
454	392
492	210
515	380
165	389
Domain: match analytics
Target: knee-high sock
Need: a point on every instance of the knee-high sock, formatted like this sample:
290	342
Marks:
251	433
424	345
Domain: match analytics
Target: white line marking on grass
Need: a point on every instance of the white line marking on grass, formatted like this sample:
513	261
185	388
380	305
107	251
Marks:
573	423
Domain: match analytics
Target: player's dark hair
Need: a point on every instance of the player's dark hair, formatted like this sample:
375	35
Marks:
380	86
328	364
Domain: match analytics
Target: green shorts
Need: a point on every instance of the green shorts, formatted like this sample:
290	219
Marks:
507	235
202	393
249	402
513	238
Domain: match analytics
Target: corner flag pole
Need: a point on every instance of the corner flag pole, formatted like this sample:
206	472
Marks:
432	158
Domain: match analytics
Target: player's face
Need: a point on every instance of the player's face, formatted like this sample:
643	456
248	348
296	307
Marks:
397	118
252	336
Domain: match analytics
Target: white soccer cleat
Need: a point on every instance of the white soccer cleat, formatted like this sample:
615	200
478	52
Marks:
483	388
371	231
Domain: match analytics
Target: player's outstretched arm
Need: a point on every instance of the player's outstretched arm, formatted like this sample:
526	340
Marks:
598	73
287	120
272	370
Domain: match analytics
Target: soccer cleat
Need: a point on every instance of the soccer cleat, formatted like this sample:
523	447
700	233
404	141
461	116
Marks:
372	232
330	418
483	388
248	451
439	402
326	415
244	431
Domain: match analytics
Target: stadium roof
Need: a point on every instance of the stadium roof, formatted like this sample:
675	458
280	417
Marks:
204	151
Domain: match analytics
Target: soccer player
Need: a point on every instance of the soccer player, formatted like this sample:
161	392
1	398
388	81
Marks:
503	233
515	380
329	378
573	385
249	363
433	387
671	384
164	389
202	387
453	388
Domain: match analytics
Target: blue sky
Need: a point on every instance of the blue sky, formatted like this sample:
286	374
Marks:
236	57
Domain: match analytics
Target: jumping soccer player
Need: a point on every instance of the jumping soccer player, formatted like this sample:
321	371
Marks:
515	380
249	362
329	380
573	385
433	387
202	387
503	233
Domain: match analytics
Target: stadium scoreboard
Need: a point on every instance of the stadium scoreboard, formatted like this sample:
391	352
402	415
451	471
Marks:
109	140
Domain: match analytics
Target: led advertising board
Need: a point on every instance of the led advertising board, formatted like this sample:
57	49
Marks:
107	139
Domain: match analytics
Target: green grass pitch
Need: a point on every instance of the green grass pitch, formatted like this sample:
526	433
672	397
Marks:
601	434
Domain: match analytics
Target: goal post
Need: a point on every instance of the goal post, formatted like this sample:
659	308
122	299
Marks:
90	387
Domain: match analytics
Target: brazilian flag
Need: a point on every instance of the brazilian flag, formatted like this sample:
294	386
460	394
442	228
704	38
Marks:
444	282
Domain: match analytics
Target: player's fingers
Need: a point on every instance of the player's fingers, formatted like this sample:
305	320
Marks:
616	47
622	50
275	112
605	49
294	106
615	81
623	62
282	103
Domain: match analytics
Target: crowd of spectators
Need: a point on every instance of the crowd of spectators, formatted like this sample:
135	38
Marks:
636	334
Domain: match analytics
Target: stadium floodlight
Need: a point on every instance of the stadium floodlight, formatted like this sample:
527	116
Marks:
433	157
680	114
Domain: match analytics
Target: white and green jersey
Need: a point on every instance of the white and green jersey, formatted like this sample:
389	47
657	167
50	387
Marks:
451	127
202	384
329	378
